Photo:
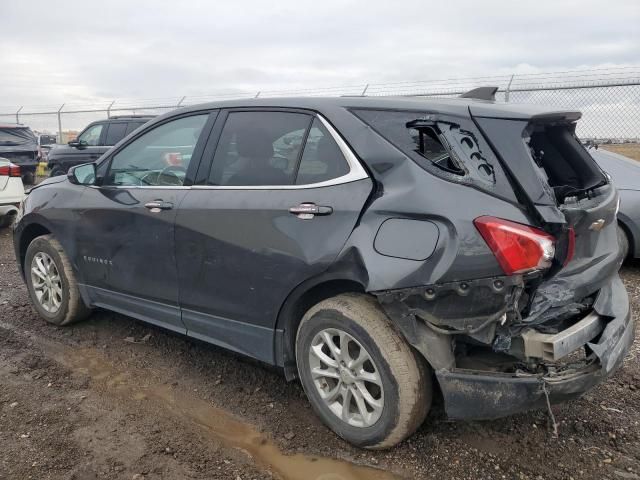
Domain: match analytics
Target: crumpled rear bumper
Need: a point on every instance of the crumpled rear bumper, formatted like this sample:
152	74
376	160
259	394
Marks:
471	394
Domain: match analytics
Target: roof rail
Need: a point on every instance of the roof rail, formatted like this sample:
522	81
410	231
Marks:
481	93
130	116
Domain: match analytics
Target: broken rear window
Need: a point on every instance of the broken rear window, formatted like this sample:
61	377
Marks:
449	147
569	168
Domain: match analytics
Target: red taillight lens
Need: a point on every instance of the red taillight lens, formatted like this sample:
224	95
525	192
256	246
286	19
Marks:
571	246
518	248
10	170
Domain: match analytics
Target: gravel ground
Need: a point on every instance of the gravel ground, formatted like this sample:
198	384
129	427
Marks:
117	399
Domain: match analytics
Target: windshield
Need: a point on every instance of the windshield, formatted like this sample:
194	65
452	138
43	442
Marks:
17	136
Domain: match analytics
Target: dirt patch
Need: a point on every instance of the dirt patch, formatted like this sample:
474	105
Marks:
115	398
631	150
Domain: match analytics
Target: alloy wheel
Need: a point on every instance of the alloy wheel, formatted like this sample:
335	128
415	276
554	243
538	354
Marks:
346	378
47	283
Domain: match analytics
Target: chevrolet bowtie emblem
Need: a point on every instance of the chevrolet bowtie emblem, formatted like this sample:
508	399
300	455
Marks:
597	225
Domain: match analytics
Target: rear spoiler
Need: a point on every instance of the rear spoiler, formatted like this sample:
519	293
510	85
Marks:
481	93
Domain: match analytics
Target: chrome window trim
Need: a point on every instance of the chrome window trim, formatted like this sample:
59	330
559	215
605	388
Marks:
356	172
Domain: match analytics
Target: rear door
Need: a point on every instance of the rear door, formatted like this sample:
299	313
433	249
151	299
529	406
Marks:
278	194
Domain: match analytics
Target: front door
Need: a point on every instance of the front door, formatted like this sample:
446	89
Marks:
126	248
278	204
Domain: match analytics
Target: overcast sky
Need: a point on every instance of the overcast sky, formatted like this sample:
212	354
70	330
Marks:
87	51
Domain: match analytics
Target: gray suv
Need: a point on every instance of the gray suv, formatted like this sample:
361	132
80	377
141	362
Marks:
92	142
378	249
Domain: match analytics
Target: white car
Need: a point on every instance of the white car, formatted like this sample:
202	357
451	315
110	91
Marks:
11	192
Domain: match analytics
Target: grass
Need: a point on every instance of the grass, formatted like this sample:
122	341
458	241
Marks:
631	150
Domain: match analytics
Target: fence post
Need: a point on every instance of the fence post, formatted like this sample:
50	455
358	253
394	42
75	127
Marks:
508	90
109	109
60	124
18	115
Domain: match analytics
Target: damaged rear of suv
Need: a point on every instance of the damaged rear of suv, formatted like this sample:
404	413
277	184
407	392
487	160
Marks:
547	317
370	247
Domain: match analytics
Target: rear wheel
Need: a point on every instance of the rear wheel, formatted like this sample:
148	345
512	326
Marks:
7	220
52	283
29	178
361	377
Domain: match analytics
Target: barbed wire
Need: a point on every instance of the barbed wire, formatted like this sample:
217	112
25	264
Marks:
608	97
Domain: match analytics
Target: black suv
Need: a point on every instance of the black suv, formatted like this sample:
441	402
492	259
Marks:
371	247
20	145
92	142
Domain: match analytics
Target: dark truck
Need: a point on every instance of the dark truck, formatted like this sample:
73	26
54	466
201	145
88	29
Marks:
19	145
92	142
371	247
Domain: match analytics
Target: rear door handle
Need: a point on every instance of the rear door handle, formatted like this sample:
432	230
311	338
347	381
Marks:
158	205
307	211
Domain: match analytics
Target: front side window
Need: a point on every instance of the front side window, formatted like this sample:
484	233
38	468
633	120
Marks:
91	136
259	148
160	157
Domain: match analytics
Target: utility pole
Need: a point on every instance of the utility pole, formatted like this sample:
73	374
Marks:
60	124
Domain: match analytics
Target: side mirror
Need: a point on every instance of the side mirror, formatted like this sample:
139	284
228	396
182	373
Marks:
78	143
82	174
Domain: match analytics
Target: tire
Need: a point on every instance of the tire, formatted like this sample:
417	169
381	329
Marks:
7	220
65	305
56	172
29	178
404	393
623	239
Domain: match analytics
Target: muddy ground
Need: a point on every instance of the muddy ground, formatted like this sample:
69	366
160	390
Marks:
114	398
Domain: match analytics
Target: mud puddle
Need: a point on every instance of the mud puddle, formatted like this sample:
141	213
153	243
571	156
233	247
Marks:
216	422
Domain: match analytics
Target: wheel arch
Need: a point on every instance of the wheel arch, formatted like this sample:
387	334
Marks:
29	233
299	301
624	223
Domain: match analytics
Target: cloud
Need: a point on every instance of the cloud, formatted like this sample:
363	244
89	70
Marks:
81	52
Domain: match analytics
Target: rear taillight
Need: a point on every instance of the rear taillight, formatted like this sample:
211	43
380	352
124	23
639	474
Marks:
518	248
571	246
10	170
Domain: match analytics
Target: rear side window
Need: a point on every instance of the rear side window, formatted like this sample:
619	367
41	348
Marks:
447	146
115	133
259	148
131	126
322	159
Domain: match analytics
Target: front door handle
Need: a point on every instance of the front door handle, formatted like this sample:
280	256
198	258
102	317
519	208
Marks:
307	211
158	205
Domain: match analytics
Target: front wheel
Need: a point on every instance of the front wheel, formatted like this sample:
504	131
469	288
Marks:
361	377
624	242
52	283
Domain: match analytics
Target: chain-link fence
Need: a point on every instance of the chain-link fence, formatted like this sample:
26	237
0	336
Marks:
609	100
